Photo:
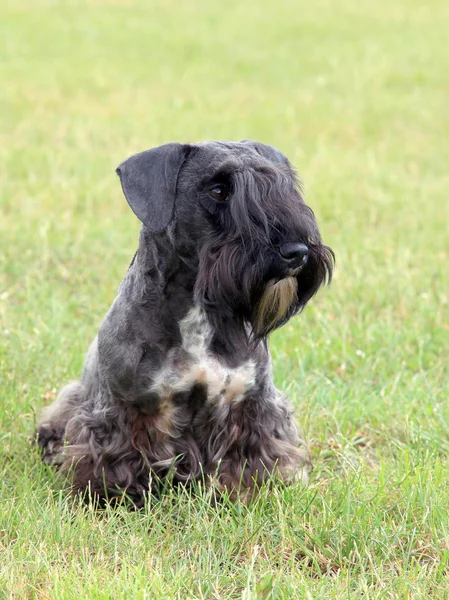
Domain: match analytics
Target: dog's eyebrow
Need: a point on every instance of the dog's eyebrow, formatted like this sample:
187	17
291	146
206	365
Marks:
218	175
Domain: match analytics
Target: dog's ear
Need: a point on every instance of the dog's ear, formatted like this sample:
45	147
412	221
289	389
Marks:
149	183
268	152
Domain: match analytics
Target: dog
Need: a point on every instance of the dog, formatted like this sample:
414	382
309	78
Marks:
177	385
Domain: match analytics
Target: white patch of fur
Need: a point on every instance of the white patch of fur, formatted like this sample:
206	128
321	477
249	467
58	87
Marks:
199	366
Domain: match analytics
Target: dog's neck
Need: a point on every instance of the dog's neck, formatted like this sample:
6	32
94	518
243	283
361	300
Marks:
159	277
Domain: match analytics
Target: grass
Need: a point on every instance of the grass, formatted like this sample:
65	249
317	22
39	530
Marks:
355	92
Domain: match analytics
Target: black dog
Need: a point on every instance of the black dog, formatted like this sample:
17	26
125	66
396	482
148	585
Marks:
178	380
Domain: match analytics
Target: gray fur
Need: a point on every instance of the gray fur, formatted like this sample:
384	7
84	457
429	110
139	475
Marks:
178	381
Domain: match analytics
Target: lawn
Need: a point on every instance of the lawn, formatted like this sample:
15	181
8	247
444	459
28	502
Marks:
356	93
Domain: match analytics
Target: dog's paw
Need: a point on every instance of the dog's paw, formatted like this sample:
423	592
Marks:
50	440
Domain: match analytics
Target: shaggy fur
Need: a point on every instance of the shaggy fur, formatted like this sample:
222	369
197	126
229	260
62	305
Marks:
178	381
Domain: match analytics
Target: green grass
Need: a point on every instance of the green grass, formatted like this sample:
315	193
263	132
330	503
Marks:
355	92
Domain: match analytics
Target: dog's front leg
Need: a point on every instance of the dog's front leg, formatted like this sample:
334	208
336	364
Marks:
50	431
254	441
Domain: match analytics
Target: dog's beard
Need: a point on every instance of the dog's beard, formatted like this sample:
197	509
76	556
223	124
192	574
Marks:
232	287
231	290
275	305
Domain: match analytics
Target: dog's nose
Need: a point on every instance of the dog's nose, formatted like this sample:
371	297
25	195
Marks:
294	254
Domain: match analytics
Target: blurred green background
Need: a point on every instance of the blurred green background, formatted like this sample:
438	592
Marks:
356	94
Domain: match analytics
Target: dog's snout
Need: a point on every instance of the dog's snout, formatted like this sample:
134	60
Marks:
294	254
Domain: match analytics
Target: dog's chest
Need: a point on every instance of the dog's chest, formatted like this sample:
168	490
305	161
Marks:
193	365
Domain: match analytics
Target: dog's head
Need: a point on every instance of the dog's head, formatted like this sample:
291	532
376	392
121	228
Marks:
234	213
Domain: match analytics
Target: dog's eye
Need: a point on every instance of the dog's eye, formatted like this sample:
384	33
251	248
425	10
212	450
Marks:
219	192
